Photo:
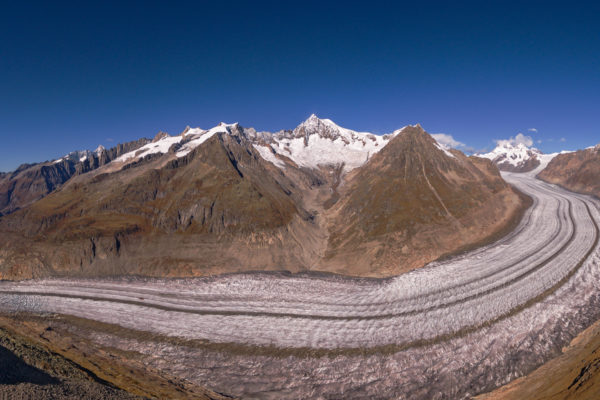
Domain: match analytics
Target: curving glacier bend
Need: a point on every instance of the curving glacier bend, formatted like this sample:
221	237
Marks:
451	329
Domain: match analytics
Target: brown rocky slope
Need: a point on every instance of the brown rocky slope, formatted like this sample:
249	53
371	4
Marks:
49	358
221	208
573	375
413	203
578	171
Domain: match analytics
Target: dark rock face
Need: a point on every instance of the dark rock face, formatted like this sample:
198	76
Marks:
32	182
578	171
97	159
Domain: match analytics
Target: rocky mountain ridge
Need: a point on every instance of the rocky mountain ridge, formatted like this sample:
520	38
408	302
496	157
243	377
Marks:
231	199
577	171
32	182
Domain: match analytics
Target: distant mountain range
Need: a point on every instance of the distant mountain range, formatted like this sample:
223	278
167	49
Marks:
517	157
31	182
319	197
578	171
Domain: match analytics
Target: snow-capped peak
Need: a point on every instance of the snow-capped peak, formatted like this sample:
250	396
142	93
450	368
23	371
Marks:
99	149
327	128
312	121
321	142
514	155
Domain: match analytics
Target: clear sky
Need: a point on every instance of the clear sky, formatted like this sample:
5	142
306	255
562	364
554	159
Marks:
75	75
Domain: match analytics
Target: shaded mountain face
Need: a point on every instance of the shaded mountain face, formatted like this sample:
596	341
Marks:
31	182
231	199
413	202
578	171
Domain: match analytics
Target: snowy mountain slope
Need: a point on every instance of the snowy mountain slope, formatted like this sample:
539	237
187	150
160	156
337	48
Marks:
320	142
187	141
516	157
268	153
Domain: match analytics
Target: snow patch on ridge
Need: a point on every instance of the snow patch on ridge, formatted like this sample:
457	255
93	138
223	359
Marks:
161	146
443	148
266	152
204	136
80	155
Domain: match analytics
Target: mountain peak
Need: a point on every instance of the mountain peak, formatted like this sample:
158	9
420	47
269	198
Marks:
185	131
313	122
226	125
415	129
313	119
159	136
413	137
99	149
321	142
514	155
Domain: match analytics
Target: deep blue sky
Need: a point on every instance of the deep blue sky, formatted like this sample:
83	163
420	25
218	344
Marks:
73	76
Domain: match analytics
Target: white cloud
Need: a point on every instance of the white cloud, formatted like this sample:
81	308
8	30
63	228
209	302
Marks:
532	130
519	139
447	140
562	139
539	141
